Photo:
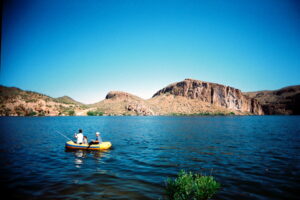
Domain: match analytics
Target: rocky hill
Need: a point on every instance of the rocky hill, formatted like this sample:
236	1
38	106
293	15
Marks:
199	95
68	100
285	101
123	103
17	102
187	97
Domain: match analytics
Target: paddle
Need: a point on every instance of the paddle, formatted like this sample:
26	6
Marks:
89	145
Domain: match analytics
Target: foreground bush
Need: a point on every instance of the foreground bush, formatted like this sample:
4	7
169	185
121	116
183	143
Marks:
189	186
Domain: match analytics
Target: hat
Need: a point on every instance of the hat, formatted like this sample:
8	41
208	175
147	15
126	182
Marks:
97	133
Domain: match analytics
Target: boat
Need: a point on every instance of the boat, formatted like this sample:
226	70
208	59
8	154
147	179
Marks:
102	146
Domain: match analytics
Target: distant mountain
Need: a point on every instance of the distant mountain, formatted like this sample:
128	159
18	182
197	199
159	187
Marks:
123	103
67	100
187	97
285	101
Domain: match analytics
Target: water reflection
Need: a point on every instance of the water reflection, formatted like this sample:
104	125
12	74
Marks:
81	155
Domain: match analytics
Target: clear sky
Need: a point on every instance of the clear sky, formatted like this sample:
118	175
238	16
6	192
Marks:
85	48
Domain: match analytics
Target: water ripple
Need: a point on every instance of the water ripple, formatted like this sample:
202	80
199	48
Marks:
252	157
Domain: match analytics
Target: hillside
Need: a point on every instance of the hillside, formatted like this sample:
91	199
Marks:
187	97
123	103
67	100
285	101
17	102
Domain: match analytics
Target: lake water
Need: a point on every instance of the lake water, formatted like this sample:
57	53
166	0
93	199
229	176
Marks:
253	157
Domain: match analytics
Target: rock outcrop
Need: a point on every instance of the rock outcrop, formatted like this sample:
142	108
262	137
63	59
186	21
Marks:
123	103
119	95
285	101
213	94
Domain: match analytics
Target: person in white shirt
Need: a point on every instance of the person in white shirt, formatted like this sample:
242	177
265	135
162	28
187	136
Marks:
79	137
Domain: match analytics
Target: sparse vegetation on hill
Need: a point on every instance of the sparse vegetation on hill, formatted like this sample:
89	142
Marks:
17	102
67	100
186	98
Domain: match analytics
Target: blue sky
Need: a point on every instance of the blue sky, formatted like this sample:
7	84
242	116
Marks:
86	48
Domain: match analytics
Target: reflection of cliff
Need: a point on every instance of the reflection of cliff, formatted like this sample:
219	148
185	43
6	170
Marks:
283	101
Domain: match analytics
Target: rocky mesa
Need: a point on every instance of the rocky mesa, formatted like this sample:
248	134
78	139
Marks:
201	96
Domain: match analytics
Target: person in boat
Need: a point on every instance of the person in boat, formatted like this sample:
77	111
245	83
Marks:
85	140
79	136
98	139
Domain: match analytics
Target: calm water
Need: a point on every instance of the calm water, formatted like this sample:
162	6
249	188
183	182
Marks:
253	157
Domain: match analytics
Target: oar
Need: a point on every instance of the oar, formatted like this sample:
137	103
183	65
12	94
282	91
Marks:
90	144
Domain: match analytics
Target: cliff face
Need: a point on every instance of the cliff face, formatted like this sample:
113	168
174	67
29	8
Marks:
213	94
285	101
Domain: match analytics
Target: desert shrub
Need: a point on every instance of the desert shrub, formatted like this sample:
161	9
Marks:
84	106
71	112
5	111
30	100
219	113
41	113
30	112
95	113
20	110
189	186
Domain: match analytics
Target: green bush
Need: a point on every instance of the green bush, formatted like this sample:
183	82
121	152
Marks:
95	113
31	113
189	186
71	112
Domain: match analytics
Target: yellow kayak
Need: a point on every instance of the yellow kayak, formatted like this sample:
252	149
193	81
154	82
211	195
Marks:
104	145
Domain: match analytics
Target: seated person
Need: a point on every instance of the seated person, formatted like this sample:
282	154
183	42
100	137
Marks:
98	139
85	140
